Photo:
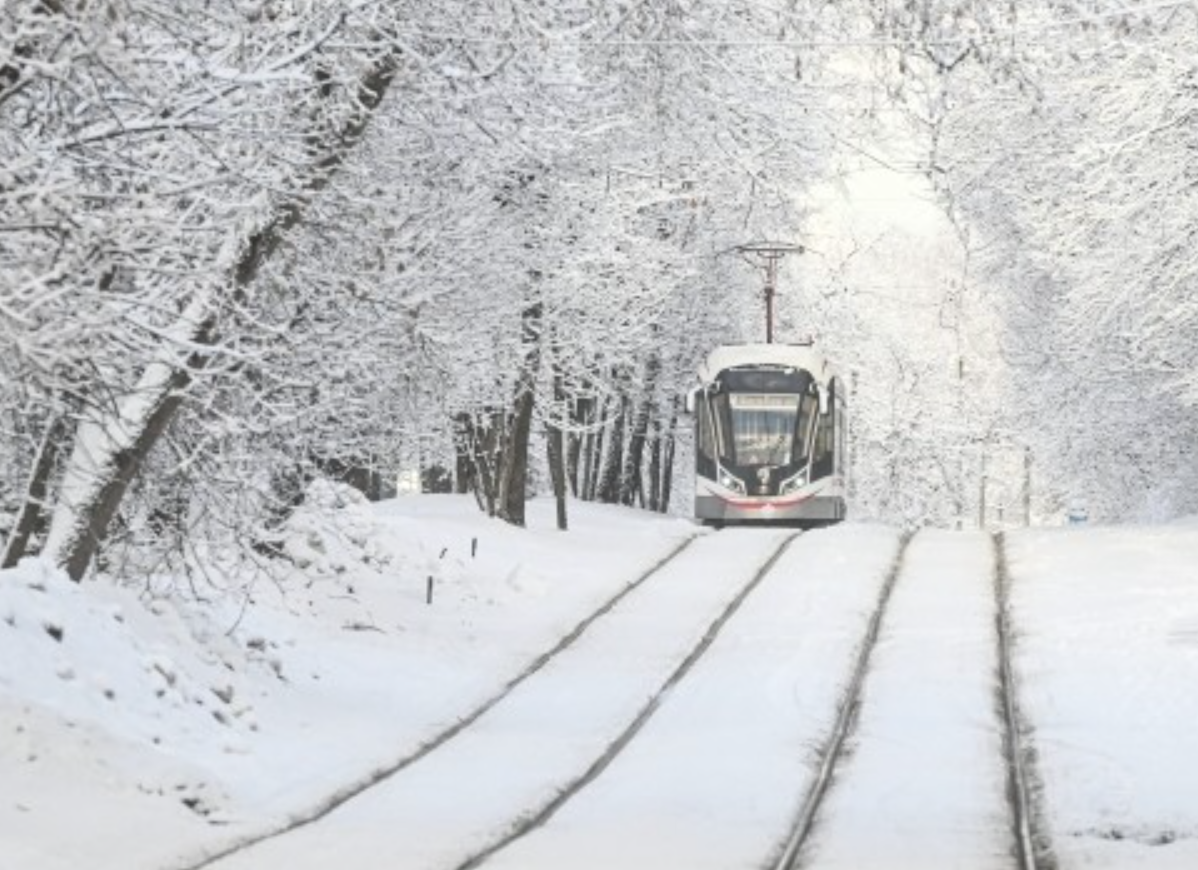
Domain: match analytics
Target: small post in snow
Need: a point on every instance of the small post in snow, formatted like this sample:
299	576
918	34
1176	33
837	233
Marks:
473	547
429	590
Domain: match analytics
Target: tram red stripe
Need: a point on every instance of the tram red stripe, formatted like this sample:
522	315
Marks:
762	505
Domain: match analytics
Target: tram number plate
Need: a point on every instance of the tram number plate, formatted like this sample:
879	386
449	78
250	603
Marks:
761	402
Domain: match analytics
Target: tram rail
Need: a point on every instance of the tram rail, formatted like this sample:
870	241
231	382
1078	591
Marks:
833	749
377	777
1032	846
536	819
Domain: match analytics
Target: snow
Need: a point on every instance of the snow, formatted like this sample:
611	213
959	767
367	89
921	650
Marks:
1108	654
142	728
800	356
333	673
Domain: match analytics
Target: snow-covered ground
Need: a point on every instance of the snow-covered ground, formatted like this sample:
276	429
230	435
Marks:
517	757
139	729
1108	655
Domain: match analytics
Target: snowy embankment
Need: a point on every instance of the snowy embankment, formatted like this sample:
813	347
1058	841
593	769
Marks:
139	728
1108	656
537	741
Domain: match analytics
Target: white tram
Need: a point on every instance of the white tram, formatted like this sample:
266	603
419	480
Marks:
770	436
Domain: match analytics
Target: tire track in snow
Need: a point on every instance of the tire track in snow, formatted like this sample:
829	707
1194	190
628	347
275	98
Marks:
541	816
1033	848
830	753
382	774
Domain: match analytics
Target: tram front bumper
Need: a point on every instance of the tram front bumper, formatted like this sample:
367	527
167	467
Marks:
765	510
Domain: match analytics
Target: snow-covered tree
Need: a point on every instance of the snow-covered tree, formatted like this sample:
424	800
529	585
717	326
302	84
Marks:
1083	217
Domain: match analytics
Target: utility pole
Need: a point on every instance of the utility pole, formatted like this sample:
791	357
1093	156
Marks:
982	491
766	255
1027	486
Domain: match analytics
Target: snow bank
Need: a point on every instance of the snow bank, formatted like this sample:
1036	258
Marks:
108	707
141	727
98	654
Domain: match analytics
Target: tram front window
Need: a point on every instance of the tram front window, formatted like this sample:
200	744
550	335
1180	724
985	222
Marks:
763	428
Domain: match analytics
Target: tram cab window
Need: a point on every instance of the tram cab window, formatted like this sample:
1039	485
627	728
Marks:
763	427
763	418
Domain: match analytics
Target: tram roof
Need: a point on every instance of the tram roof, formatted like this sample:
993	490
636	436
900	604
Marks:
799	356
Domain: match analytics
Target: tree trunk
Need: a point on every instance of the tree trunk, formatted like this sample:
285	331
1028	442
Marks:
514	465
592	453
655	468
555	445
480	436
630	476
667	460
31	517
609	478
578	417
463	466
113	445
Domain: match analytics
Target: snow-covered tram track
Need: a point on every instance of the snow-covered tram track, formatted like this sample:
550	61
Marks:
929	762
351	790
830	753
515	759
1033	849
531	821
708	782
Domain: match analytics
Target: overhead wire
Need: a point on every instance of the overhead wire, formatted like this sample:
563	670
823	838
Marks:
863	42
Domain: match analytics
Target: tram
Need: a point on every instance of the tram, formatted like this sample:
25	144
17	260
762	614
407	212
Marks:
770	436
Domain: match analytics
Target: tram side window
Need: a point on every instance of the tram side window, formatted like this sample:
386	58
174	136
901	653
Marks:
821	465
823	462
705	455
808	417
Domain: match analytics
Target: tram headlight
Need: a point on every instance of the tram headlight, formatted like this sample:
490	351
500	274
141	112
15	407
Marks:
792	484
730	482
